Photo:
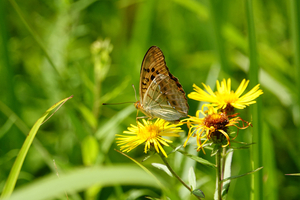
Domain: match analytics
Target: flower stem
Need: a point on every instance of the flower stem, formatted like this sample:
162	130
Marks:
219	175
174	174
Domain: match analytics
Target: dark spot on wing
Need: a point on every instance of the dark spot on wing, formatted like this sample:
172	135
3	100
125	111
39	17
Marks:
147	79
144	83
147	70
174	78
152	69
174	103
152	77
163	89
157	72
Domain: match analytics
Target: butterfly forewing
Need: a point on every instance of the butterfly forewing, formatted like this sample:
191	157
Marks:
161	95
153	64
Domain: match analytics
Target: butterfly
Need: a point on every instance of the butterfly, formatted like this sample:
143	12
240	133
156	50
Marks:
161	95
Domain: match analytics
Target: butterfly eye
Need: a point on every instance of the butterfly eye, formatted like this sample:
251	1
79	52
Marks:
137	104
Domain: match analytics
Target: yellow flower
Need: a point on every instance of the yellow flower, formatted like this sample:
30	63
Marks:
149	133
224	97
214	125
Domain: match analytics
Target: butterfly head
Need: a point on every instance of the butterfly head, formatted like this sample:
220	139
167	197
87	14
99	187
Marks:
137	105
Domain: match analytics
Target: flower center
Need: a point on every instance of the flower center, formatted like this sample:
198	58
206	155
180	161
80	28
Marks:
150	132
217	120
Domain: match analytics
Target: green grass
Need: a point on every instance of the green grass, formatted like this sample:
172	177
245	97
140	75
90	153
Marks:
256	111
16	168
48	52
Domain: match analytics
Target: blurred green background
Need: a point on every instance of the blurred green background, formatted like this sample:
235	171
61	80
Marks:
94	49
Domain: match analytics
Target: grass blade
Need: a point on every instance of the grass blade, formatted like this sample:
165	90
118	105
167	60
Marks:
50	187
16	168
295	17
256	109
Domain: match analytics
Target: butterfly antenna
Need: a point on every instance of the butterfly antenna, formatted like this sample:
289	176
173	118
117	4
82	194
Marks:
116	103
134	92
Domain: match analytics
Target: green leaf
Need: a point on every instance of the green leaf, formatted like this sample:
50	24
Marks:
297	174
215	150
192	178
227	172
151	198
238	176
151	153
15	170
243	145
200	160
175	149
196	158
163	168
139	193
198	193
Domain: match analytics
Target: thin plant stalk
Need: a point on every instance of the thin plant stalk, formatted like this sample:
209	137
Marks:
219	175
174	174
257	185
295	20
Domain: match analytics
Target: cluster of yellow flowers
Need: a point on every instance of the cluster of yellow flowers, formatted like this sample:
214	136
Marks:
213	126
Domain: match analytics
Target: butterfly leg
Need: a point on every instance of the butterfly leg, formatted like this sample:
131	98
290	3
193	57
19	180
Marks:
137	119
141	117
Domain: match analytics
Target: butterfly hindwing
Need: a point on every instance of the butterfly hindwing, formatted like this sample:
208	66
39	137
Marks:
164	100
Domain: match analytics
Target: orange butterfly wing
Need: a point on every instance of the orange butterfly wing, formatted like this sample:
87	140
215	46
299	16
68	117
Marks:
161	95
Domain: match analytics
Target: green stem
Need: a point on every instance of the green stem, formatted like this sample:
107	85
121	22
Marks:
295	20
174	174
256	110
223	161
219	174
